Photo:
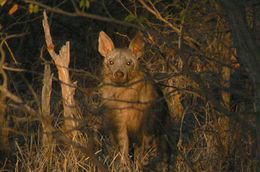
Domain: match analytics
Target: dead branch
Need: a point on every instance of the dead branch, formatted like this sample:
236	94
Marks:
45	108
15	98
81	14
62	61
149	6
3	123
71	116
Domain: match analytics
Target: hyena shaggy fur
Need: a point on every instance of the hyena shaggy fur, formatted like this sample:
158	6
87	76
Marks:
136	115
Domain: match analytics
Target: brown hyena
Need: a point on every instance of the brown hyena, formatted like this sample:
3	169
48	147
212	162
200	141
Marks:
136	113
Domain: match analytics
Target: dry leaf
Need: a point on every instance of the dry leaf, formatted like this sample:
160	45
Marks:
33	8
13	9
2	2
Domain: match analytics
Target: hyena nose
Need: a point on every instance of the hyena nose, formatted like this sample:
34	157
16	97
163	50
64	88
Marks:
119	74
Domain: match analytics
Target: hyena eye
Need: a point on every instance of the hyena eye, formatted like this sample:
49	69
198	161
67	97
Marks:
129	63
111	62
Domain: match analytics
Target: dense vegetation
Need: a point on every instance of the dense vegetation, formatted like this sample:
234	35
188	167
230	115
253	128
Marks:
204	55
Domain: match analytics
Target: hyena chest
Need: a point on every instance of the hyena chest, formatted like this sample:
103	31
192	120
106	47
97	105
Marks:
126	107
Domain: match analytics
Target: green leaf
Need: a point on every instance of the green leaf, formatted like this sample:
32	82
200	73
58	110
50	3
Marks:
141	19
81	3
182	15
130	18
87	3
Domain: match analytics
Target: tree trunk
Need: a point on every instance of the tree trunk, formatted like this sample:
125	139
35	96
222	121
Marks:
248	54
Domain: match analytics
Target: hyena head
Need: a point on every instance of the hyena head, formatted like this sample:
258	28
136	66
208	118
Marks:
120	64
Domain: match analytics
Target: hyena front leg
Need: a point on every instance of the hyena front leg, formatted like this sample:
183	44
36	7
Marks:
154	154
123	142
148	150
164	157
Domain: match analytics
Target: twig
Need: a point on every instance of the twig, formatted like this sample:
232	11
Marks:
81	14
148	5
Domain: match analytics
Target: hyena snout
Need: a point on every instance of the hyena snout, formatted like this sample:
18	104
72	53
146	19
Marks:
119	76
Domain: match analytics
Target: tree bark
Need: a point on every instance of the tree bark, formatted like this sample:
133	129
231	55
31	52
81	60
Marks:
248	54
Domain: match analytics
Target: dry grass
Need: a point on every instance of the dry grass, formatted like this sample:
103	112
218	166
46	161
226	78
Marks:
199	150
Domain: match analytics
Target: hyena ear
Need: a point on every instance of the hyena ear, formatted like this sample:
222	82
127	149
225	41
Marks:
105	44
137	45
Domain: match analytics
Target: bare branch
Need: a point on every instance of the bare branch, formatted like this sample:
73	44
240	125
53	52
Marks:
45	108
81	14
62	61
148	5
4	85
